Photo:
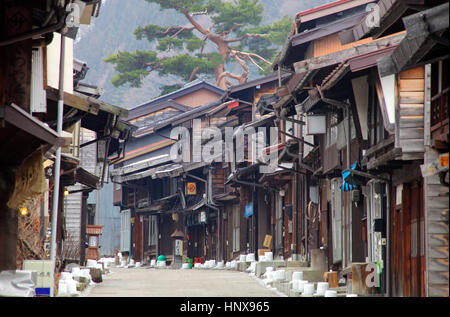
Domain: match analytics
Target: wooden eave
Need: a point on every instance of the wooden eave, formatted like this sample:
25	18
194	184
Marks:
328	9
390	12
24	121
86	103
424	31
308	67
328	29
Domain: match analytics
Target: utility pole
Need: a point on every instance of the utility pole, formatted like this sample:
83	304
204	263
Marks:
57	167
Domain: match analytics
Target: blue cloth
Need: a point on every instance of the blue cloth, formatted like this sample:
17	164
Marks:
349	182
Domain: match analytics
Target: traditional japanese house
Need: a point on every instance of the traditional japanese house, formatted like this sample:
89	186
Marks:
321	92
143	197
261	210
417	105
365	218
28	97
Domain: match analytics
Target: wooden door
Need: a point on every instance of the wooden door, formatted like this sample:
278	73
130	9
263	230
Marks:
417	243
408	262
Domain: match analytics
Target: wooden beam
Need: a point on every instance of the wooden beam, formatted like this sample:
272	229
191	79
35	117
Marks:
317	63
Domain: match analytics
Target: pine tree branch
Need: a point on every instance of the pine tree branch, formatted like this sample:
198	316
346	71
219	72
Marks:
200	13
179	30
196	25
194	72
246	36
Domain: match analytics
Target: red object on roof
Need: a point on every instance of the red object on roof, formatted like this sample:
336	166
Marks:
233	105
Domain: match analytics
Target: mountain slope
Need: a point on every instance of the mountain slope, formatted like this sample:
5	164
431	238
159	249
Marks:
113	30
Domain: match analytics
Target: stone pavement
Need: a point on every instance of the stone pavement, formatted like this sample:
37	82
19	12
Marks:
151	282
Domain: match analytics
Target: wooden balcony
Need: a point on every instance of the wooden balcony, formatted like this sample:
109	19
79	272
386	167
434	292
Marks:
439	123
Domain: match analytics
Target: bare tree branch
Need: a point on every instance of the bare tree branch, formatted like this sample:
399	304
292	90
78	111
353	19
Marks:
247	55
229	75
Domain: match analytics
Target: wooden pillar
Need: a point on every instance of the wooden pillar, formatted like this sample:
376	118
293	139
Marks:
15	80
8	226
84	215
17	19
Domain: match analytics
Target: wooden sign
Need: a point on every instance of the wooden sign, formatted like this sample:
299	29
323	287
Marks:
191	188
267	241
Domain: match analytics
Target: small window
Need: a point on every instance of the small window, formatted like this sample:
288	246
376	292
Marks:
332	130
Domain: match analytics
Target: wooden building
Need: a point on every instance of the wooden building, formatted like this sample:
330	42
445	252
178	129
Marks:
148	201
29	79
374	192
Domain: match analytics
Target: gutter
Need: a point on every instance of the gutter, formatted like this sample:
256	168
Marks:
28	35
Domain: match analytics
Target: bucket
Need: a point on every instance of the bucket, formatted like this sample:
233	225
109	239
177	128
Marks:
301	285
185	266
322	287
268	256
279	275
250	257
297	276
330	293
308	289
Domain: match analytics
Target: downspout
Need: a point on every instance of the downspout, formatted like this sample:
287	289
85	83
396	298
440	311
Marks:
57	168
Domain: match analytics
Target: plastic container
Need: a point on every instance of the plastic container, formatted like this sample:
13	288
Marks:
322	287
279	275
250	257
297	276
308	289
268	256
301	285
330	293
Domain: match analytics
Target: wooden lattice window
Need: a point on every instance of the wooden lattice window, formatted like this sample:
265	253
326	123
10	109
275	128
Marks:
439	93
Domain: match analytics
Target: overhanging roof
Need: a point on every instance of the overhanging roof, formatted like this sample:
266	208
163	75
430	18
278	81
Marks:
86	103
187	89
21	134
192	114
168	170
423	33
308	68
151	162
329	8
331	28
388	19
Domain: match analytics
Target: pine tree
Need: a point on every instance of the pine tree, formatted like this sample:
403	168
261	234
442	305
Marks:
234	28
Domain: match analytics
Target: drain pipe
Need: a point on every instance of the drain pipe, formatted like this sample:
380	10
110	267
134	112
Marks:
57	168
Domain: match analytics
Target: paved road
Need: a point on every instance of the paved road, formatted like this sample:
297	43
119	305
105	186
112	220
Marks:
145	282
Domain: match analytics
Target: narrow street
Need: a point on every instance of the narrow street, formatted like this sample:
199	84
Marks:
145	282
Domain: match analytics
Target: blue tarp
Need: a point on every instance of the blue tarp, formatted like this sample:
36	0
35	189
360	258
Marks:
248	210
349	182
